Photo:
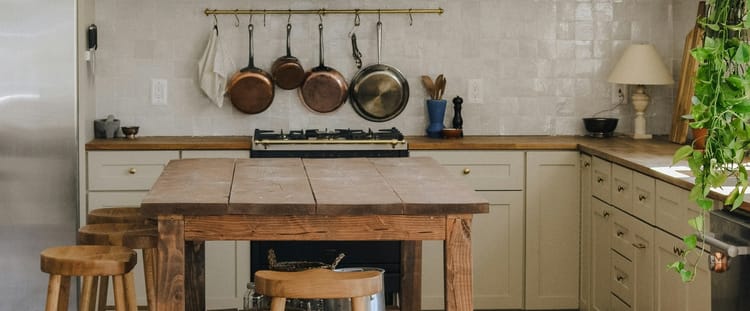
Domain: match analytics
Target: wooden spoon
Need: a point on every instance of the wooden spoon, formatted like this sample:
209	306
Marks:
429	86
439	83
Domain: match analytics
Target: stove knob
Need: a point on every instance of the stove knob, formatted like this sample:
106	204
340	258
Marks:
718	262
467	171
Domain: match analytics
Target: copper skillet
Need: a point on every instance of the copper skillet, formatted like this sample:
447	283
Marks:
251	89
286	70
324	88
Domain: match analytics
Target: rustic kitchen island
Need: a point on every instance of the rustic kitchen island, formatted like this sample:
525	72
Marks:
407	199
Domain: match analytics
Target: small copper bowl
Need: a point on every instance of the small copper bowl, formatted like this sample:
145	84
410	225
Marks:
452	133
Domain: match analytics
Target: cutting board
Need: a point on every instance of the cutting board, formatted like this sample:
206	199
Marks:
686	88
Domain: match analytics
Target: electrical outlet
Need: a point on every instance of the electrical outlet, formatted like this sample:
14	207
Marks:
619	91
159	92
475	91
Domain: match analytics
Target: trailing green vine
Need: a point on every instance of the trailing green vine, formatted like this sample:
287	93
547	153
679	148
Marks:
721	104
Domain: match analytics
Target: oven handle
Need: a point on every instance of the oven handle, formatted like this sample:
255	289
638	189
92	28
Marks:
731	250
392	142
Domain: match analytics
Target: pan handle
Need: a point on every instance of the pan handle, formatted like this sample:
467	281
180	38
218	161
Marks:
320	31
380	38
288	33
251	62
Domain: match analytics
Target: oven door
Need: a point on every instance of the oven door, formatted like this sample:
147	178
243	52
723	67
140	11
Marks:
729	240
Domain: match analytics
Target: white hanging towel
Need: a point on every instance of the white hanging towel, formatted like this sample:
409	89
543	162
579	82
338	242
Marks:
214	68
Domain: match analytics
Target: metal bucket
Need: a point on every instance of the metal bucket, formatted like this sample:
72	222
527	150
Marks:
375	303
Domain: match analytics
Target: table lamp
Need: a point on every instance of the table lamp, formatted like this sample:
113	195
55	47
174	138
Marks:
640	65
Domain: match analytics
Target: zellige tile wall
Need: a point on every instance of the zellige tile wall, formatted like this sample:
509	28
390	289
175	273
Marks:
543	63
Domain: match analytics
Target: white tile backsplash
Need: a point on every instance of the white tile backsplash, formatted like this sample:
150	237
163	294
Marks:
543	63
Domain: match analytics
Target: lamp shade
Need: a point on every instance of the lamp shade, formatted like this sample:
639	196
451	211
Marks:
640	65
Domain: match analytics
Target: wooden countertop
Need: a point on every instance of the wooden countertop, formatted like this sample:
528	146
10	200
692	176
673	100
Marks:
639	155
293	186
172	143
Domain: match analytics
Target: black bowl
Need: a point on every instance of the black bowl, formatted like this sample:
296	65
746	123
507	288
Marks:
600	126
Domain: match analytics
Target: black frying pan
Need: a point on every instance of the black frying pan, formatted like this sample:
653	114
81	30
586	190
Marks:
379	92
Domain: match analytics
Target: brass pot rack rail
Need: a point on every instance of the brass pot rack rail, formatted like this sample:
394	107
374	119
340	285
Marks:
438	11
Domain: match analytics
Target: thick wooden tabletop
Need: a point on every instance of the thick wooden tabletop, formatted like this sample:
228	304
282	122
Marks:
354	186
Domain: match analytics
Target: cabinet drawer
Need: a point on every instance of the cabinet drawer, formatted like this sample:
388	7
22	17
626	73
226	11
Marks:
621	236
622	278
108	199
673	209
601	174
643	197
622	188
232	154
484	170
126	170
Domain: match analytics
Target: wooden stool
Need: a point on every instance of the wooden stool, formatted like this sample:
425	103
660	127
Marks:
131	235
318	283
88	261
115	215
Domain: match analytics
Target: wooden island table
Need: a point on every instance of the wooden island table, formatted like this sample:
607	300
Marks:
406	199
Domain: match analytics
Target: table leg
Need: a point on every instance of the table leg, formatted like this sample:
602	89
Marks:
170	281
411	276
195	276
457	248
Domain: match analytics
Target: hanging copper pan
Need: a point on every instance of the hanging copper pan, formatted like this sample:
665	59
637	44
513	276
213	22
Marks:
251	89
379	92
324	88
287	72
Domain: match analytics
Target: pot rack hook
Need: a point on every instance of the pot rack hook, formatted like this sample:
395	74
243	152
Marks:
356	22
378	15
411	18
216	24
289	19
264	17
251	18
320	15
236	18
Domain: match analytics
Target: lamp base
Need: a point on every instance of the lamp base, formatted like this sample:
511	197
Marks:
641	136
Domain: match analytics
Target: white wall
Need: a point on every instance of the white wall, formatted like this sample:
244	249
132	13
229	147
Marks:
543	63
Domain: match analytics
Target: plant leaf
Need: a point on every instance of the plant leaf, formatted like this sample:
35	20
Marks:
686	275
690	241
681	154
696	223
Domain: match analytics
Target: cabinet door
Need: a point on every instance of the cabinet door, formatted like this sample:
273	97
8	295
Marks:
601	175
227	262
585	233
497	252
633	241
552	229
671	294
622	188
643	197
600	259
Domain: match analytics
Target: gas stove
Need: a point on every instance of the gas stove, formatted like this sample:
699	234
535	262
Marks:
337	143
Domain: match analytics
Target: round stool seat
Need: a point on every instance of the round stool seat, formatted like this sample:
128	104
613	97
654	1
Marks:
115	215
88	260
115	233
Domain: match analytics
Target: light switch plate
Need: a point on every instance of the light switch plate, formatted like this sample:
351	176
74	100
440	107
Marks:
475	91
159	92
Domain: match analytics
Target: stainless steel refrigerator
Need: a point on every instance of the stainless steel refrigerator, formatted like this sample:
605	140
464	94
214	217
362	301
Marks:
38	143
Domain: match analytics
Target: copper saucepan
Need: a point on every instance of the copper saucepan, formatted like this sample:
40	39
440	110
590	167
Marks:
324	88
251	89
287	72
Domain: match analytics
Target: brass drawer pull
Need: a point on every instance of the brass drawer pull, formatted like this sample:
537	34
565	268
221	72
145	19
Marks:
599	180
467	171
620	234
639	245
641	197
586	164
605	214
132	171
620	278
620	188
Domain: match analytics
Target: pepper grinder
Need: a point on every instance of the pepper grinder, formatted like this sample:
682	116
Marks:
458	122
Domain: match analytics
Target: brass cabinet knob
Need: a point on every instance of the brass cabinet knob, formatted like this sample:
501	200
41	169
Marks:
132	171
467	171
620	234
641	197
620	188
605	214
620	278
586	164
600	180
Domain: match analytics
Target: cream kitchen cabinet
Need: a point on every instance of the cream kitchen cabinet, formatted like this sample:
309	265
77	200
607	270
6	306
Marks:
123	178
601	226
632	274
671	293
497	237
552	229
585	279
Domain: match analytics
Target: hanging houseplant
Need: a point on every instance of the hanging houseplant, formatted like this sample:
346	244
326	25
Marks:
721	105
